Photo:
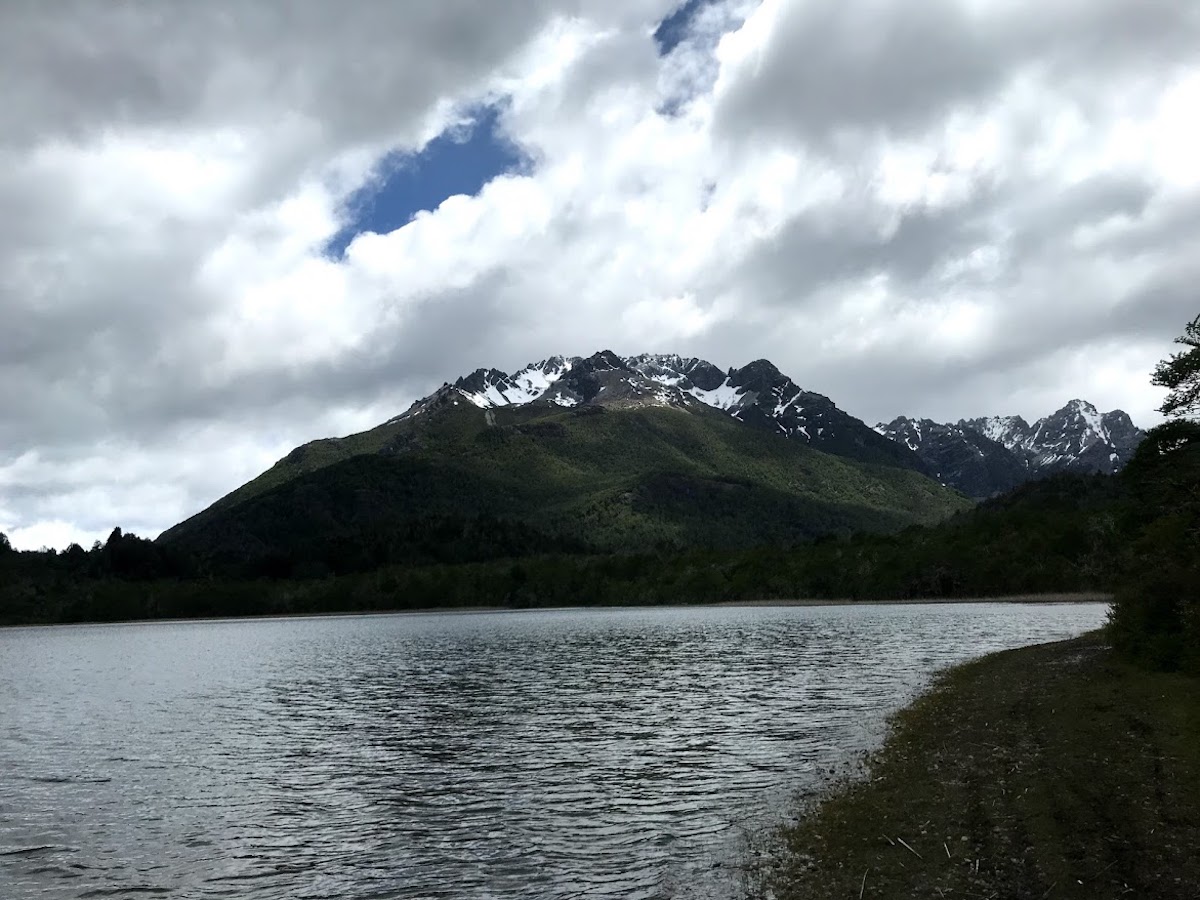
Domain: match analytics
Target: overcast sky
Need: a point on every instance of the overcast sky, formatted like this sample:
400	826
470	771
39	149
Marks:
228	227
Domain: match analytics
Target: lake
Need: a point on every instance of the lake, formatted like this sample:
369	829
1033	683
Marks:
550	754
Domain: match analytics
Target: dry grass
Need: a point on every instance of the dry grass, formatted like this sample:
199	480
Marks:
1051	771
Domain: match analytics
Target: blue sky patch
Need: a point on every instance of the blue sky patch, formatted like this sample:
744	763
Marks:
673	30
460	160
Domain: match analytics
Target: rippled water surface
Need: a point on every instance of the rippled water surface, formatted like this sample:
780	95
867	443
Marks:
574	753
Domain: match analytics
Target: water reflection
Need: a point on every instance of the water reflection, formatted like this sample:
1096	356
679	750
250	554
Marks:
539	754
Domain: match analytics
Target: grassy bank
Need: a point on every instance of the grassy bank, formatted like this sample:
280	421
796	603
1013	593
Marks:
1051	771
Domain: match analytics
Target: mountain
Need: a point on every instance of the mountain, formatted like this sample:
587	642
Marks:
599	453
757	394
959	456
987	456
1077	438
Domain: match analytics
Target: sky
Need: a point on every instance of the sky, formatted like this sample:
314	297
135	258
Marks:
230	228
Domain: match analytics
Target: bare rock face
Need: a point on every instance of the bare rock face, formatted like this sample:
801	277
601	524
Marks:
960	457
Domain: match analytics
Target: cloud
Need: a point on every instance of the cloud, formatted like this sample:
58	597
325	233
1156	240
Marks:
951	208
811	69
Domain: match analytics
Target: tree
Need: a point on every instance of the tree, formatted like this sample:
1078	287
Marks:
1165	463
1181	373
1156	613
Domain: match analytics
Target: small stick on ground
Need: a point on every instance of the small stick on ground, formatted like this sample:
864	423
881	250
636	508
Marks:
864	884
910	849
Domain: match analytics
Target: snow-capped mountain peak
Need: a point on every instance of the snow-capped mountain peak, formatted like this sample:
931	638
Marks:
757	394
697	377
1010	431
488	388
1075	437
990	455
980	456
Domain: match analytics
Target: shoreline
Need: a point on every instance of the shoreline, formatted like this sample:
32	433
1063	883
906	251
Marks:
1054	770
1057	597
1014	599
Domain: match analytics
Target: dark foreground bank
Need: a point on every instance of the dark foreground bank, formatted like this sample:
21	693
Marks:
1050	771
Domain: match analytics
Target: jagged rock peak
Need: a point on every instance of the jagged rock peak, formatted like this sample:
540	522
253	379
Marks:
1006	430
606	360
1075	438
958	456
757	375
480	379
672	369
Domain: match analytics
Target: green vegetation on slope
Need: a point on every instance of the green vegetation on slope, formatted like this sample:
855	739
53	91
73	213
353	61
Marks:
1051	771
602	479
1065	534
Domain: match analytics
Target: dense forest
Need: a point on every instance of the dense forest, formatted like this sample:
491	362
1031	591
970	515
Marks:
546	479
1065	534
1135	534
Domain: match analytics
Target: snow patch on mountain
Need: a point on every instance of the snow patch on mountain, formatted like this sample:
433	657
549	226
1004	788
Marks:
726	396
1091	418
1007	430
489	388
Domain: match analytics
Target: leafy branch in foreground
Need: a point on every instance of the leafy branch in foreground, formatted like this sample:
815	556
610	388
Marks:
1180	372
1156	616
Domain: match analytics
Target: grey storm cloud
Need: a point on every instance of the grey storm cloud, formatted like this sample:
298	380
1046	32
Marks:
169	173
832	65
1019	221
358	68
813	251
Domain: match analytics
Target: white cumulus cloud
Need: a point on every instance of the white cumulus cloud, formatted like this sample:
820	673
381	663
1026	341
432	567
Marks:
951	208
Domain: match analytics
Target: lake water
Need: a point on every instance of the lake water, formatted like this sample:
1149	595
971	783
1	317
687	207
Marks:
548	754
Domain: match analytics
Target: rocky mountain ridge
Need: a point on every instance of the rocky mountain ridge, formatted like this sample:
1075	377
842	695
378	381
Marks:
1075	438
756	394
990	455
980	457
